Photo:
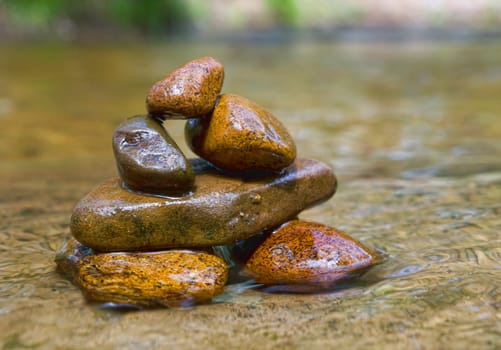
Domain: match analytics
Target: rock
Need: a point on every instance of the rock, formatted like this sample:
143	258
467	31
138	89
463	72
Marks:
301	252
170	277
189	91
220	211
149	160
240	135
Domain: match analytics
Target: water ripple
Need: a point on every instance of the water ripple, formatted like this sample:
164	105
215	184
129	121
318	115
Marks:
406	271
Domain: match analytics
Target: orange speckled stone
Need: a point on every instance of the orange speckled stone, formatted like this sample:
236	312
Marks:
168	278
189	91
240	135
301	252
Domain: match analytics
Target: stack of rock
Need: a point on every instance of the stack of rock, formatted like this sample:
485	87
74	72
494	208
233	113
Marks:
149	237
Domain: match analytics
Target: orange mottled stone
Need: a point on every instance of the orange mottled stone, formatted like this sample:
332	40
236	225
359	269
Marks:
168	277
189	91
301	252
241	135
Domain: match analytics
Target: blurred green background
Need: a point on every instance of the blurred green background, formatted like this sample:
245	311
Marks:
96	19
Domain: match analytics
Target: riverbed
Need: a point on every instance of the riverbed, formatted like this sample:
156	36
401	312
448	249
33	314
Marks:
411	129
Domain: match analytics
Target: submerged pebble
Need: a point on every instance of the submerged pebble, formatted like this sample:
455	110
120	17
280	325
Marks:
240	135
189	91
301	252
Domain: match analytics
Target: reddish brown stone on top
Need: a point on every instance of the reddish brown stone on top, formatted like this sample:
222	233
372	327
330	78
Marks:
189	91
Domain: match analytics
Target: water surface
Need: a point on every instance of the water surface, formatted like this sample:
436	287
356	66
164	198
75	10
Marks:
412	130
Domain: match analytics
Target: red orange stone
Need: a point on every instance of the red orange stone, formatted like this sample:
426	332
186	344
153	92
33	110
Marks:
241	135
301	252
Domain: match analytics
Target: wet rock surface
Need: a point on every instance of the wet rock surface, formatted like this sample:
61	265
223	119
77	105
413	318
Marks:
301	252
221	210
189	91
167	278
241	135
246	183
70	255
428	195
149	160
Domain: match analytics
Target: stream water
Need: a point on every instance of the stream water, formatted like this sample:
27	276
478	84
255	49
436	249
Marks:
412	130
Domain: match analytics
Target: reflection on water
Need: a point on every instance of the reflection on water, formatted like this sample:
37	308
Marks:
412	130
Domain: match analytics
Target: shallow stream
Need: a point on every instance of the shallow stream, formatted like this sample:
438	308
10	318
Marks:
412	130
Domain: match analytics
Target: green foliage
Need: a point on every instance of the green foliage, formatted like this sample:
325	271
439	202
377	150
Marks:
151	16
284	10
33	12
